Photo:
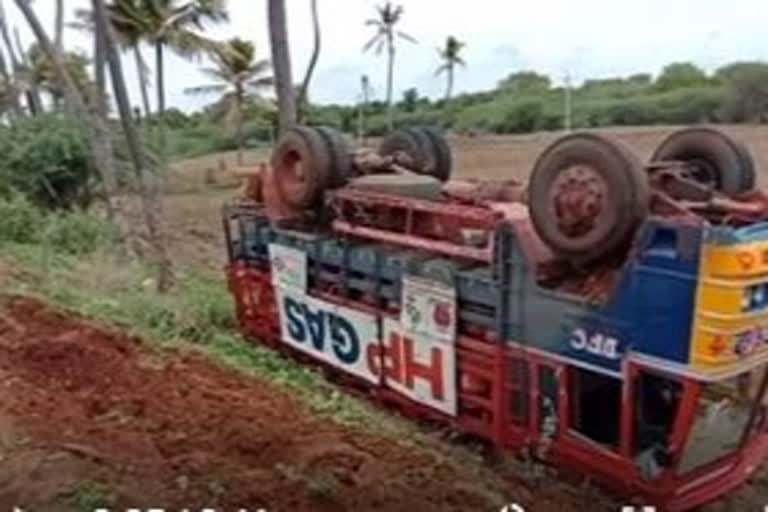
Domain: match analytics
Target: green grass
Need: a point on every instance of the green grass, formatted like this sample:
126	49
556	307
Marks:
89	495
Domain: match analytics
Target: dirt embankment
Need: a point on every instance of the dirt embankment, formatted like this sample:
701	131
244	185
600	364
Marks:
88	416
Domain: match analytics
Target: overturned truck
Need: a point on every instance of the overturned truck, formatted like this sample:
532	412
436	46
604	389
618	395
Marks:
609	316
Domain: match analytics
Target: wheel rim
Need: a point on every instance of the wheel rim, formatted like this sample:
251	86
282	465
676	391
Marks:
703	172
578	198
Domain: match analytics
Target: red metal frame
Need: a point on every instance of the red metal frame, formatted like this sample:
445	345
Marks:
438	227
483	366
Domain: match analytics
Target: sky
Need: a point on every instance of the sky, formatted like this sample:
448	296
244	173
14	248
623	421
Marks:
580	38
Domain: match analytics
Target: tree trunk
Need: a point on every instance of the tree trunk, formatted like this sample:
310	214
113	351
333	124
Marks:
160	72
151	197
303	102
157	187
33	94
281	63
96	128
239	124
59	34
7	37
99	62
449	87
143	80
9	79
390	73
106	150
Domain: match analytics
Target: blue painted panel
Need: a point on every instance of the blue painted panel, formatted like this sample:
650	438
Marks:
650	311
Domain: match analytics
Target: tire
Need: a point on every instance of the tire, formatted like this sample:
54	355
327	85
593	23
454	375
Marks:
720	161
418	144
341	160
414	144
749	177
443	156
614	205
307	147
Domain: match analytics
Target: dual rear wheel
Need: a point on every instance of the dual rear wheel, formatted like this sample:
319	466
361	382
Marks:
589	193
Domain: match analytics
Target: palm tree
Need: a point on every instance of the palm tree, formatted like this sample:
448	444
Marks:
385	35
95	127
104	35
122	14
173	24
239	78
450	56
41	73
281	61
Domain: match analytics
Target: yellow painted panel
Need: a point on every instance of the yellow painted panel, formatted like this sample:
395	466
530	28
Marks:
720	299
743	260
711	350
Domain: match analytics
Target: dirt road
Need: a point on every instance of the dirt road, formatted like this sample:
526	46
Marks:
90	418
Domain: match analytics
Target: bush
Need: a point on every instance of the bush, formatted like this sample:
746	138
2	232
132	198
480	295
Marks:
78	232
46	159
20	221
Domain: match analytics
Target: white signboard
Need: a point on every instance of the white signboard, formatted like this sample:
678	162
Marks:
289	267
342	337
420	367
429	308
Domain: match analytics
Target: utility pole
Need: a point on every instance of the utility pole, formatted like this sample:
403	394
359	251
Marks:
568	103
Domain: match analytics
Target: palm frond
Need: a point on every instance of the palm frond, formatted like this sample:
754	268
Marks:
372	41
206	89
407	37
189	44
80	26
218	74
442	68
260	67
459	60
261	83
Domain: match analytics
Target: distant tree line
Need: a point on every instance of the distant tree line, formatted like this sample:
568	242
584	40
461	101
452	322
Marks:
527	101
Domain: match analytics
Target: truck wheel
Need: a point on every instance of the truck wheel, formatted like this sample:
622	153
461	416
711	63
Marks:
341	160
301	165
428	151
443	157
717	160
587	196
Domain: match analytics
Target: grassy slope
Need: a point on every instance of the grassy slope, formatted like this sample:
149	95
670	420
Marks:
197	316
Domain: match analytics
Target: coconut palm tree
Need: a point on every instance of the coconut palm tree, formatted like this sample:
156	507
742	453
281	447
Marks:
173	24
239	78
122	14
388	16
41	73
450	57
